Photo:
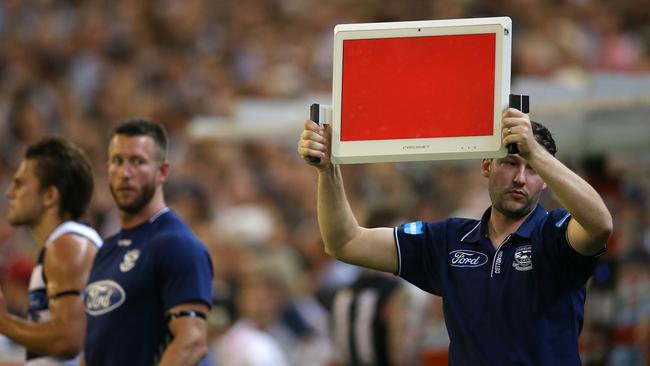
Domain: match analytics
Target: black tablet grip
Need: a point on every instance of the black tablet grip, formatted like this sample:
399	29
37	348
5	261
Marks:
313	115
520	102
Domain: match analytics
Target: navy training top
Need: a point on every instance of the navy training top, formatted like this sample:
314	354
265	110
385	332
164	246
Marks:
137	275
519	304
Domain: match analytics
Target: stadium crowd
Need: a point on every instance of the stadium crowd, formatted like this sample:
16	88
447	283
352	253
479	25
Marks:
76	68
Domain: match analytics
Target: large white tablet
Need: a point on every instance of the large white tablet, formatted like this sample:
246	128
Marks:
423	90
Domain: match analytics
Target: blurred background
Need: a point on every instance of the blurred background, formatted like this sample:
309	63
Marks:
232	82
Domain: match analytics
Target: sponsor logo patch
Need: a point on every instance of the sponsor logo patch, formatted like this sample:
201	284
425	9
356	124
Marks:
413	228
38	299
523	258
103	296
38	304
467	258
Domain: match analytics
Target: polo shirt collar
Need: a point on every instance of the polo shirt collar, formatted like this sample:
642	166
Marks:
525	230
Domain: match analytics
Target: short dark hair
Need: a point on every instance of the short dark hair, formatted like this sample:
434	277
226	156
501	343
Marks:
144	127
61	164
544	137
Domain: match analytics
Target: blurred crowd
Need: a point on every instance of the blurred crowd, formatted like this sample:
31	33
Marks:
76	68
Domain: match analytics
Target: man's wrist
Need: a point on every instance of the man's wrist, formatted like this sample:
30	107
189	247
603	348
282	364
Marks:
5	320
538	155
327	169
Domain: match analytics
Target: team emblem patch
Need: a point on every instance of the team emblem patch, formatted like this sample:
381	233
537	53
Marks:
103	296
129	260
523	258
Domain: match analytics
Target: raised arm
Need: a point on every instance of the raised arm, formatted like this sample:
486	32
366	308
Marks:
344	239
67	265
591	225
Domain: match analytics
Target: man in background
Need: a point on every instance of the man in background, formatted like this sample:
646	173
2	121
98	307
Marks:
48	194
370	317
150	287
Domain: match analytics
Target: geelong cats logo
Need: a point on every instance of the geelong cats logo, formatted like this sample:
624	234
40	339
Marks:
129	260
523	258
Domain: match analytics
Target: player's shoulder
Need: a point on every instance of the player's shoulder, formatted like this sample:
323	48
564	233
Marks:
74	231
70	242
450	224
461	222
555	218
558	214
459	225
171	232
170	223
69	250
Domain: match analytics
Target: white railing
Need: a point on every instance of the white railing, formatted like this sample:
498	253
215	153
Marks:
601	113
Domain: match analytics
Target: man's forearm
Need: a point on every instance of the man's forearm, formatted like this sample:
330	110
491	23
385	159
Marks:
335	218
47	338
576	195
184	353
189	343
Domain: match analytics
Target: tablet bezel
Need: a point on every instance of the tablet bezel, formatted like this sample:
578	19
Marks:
417	149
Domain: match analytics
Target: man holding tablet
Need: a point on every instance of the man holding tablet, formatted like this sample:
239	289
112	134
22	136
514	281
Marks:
512	283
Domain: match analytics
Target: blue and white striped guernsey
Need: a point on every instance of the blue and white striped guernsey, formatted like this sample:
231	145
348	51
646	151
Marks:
38	300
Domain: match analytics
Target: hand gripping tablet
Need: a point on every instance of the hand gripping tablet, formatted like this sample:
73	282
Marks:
319	113
520	102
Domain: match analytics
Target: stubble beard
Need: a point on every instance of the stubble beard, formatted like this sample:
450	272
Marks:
20	221
29	218
517	212
141	200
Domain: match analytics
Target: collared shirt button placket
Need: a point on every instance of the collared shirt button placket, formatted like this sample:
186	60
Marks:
497	258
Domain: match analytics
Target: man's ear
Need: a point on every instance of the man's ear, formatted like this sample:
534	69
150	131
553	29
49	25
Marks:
485	167
163	169
51	196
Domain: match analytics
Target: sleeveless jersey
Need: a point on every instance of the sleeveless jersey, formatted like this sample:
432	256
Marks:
38	300
360	327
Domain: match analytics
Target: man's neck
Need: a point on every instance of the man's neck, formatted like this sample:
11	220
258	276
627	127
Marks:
500	226
43	229
128	221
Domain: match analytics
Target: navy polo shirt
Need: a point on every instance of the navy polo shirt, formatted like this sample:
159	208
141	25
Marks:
139	274
521	303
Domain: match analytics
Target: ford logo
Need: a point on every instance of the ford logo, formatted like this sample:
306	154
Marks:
467	258
103	296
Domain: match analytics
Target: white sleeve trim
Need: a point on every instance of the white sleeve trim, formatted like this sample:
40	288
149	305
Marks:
399	253
72	227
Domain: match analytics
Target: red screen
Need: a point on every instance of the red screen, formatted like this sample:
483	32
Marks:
418	87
